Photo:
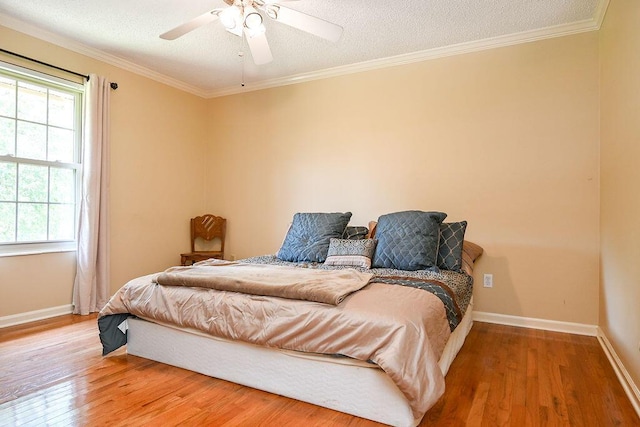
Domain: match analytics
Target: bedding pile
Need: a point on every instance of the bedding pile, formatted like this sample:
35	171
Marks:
454	289
398	314
326	286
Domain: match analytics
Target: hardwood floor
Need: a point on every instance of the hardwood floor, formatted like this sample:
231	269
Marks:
52	373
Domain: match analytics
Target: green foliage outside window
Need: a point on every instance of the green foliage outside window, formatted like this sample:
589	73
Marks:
39	158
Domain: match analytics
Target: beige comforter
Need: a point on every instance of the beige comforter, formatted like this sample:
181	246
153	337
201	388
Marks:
327	286
402	329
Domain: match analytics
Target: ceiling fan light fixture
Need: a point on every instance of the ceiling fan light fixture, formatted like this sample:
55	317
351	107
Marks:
272	11
252	19
252	32
243	19
230	17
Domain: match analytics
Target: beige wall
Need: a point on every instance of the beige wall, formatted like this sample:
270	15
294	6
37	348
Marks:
36	282
620	169
157	170
506	139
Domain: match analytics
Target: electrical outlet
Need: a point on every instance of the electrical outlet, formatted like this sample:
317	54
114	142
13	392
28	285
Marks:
488	280
233	257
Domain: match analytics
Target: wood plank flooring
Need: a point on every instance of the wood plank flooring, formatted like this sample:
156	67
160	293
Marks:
52	373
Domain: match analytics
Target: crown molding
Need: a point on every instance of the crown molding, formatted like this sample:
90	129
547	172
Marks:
425	55
33	31
601	11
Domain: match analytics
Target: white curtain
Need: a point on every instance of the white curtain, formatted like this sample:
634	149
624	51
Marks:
91	288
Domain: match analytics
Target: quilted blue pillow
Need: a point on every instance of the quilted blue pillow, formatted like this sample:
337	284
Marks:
408	240
451	240
309	236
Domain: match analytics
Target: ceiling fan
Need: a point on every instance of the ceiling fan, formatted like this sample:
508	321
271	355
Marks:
245	17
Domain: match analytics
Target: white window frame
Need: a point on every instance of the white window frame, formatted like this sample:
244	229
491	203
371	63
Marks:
51	82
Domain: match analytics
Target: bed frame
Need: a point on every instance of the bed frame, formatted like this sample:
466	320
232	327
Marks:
330	382
334	383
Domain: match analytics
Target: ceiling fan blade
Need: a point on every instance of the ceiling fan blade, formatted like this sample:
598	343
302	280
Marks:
183	29
302	21
259	47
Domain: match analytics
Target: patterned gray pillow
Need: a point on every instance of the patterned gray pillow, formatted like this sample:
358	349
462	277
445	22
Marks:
309	235
355	232
451	240
354	253
408	240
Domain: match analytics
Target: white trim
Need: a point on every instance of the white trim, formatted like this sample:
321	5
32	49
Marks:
630	388
94	53
533	323
425	55
409	58
20	249
601	11
49	79
32	316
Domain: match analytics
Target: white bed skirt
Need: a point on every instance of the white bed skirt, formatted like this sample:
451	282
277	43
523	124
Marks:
342	384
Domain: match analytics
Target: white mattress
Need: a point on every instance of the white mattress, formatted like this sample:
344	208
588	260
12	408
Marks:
343	384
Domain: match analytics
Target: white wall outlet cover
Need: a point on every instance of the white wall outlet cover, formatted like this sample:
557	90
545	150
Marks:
488	280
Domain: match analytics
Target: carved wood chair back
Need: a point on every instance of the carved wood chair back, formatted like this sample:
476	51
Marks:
208	227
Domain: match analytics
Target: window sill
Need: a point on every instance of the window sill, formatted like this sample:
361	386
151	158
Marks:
36	248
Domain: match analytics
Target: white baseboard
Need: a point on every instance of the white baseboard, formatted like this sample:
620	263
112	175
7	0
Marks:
533	323
630	388
32	316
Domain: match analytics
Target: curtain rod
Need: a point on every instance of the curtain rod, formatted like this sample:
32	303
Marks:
114	86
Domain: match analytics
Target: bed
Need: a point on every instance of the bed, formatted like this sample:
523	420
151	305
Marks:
363	320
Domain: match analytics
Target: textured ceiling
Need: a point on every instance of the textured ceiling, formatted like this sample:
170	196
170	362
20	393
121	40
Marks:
206	60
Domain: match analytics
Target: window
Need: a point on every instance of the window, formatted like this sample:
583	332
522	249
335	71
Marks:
40	133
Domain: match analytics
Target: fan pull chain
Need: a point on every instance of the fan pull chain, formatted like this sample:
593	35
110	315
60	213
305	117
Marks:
241	55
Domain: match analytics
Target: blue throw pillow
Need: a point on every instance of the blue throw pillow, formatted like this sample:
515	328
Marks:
451	240
309	236
408	240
